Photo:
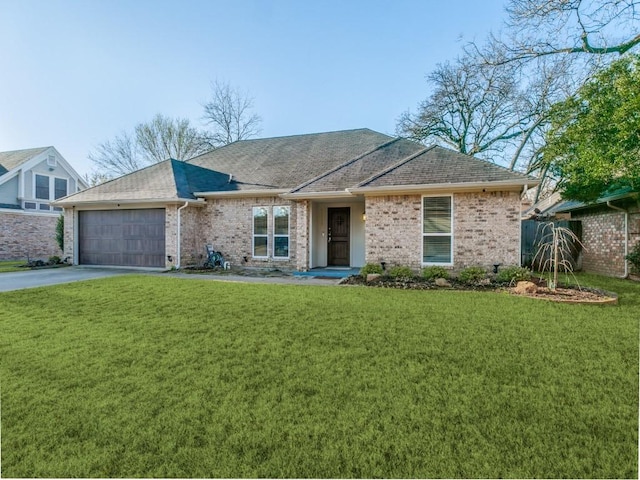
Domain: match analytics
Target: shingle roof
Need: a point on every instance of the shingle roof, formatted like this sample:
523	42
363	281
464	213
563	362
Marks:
437	165
361	168
301	164
15	158
168	180
285	162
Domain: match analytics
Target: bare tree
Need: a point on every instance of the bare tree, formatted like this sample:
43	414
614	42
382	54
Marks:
538	28
118	156
164	138
96	177
494	112
152	142
229	115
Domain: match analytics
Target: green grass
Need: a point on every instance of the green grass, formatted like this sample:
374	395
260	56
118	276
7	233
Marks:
142	376
12	266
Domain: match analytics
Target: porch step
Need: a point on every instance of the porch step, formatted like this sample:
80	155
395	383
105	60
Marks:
328	272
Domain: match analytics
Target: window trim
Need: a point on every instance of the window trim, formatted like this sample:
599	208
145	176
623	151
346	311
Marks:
450	234
66	190
254	235
35	186
280	235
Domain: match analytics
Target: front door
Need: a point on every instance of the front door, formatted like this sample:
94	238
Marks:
338	237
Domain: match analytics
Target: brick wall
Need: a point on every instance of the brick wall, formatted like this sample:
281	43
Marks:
393	231
486	229
603	237
24	235
227	224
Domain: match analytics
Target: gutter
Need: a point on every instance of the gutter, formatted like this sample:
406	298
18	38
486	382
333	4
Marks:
178	242
626	236
448	187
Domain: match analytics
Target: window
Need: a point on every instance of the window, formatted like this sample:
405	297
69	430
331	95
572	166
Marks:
437	230
260	232
60	188
281	232
30	205
42	187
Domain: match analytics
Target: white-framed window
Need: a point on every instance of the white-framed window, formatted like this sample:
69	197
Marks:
437	230
41	187
281	232
60	188
260	244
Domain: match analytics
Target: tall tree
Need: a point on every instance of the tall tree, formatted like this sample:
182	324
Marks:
151	142
494	112
229	115
593	145
537	28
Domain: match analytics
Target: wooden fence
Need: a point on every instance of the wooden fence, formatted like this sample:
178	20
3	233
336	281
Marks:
532	233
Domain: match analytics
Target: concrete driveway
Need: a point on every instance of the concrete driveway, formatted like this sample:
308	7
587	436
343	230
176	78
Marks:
53	276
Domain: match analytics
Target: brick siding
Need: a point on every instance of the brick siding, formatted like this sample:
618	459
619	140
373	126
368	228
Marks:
603	237
227	224
24	235
486	229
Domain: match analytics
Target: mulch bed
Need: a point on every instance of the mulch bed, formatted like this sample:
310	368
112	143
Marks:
564	294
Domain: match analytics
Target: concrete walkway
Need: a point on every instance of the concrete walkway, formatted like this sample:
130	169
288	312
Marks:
55	276
276	279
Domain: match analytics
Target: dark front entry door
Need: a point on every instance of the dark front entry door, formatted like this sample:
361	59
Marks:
338	230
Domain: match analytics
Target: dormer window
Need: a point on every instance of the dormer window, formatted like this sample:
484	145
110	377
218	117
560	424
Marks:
51	161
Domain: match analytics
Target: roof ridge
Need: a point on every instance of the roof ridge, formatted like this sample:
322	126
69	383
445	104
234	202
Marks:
342	165
394	166
26	149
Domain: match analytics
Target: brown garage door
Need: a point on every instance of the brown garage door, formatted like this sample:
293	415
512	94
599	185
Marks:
133	238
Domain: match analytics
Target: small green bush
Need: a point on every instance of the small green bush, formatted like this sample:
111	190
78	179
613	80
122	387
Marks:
54	260
370	268
60	232
472	274
513	274
634	257
433	272
401	272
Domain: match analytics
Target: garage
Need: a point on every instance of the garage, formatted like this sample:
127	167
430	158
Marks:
132	238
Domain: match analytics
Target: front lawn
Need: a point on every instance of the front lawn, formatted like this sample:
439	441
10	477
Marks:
143	376
12	266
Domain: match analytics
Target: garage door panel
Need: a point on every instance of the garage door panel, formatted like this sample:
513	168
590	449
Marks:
122	237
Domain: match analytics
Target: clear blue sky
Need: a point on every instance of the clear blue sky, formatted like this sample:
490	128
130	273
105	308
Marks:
76	73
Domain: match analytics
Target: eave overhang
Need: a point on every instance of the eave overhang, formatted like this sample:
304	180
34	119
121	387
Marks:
242	193
502	185
317	195
165	201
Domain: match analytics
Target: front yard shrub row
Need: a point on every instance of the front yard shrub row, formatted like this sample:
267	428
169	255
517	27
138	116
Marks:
470	275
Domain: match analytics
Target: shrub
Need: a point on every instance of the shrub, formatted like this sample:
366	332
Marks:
54	260
472	274
513	274
634	257
60	232
401	272
433	272
370	268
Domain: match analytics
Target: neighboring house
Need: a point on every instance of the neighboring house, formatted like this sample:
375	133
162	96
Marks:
343	198
29	181
610	229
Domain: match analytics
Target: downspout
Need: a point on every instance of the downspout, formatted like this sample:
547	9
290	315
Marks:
626	236
524	192
178	242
